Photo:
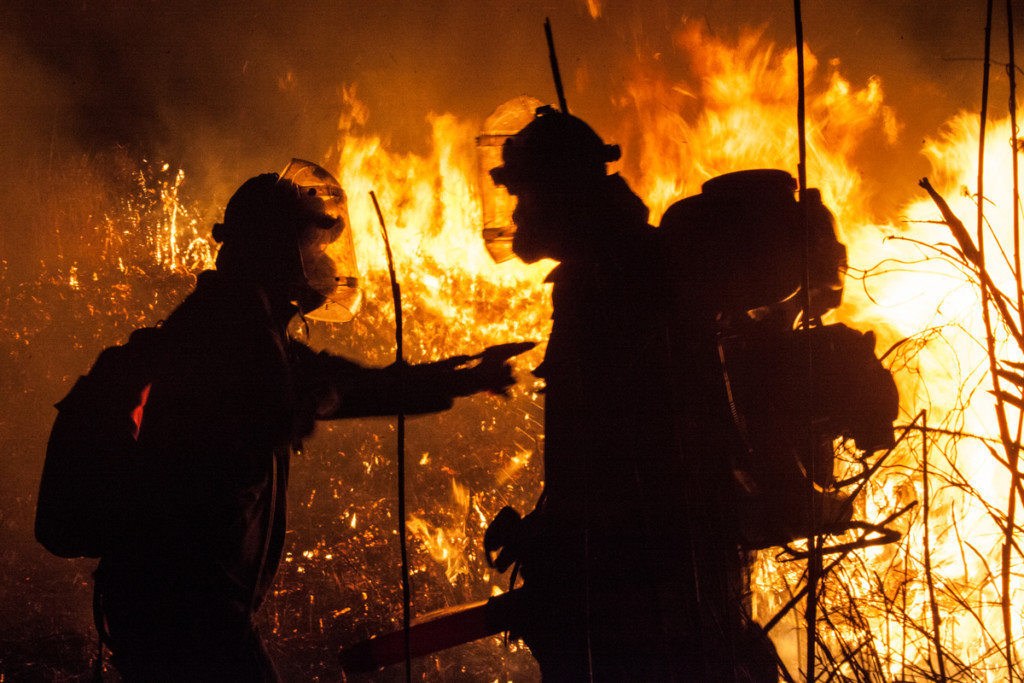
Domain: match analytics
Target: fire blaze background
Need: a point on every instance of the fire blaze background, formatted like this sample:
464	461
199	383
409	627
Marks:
125	126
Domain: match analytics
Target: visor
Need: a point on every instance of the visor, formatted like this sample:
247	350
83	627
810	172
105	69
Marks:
497	204
326	248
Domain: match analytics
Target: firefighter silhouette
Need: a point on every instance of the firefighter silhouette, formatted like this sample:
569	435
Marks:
634	559
629	571
231	394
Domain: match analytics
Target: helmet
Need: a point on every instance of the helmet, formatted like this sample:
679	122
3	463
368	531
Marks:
554	150
293	230
552	145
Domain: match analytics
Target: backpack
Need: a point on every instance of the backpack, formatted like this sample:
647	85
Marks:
791	394
92	450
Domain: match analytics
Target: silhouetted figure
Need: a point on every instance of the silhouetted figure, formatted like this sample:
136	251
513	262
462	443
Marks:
630	562
231	394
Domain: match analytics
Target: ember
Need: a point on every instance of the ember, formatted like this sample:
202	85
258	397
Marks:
122	241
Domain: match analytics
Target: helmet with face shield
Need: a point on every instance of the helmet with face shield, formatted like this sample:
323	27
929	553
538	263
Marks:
550	163
291	232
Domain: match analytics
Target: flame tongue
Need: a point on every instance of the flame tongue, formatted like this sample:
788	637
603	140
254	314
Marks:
745	121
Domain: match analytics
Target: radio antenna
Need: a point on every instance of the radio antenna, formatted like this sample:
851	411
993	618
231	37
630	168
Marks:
554	68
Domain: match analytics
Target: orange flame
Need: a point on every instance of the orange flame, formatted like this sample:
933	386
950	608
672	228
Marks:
738	113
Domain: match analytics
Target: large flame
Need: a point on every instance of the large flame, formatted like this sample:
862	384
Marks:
736	112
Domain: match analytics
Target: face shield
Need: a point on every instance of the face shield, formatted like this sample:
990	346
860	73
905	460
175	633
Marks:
325	245
497	204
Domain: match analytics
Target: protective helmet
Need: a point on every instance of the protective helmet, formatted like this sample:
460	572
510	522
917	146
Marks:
552	145
552	148
293	230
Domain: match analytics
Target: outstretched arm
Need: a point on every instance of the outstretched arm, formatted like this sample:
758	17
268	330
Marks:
341	388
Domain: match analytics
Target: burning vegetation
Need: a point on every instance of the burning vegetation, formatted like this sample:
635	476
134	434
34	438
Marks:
939	599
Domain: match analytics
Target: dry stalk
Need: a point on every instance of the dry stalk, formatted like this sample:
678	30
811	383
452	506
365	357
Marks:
1012	447
929	578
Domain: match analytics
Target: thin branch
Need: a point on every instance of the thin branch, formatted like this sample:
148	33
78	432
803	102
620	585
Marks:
972	254
936	619
1011	448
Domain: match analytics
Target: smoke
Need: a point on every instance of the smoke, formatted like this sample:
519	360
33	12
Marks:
265	74
230	89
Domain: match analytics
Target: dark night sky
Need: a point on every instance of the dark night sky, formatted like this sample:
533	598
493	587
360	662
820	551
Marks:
228	89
